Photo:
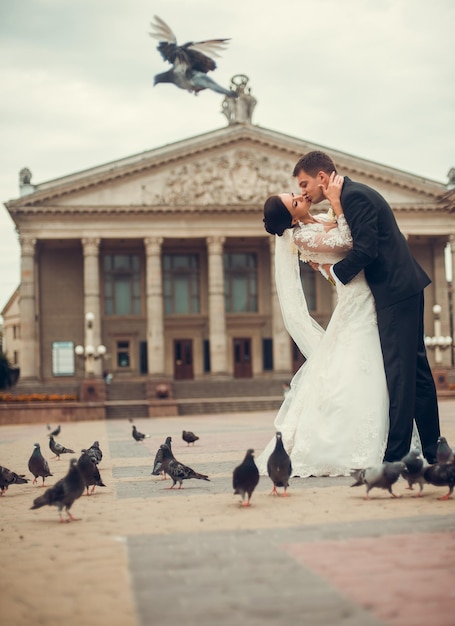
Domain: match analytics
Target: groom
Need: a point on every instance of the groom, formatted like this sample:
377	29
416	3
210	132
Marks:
397	282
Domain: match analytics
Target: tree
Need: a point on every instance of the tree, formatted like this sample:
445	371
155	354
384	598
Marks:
6	372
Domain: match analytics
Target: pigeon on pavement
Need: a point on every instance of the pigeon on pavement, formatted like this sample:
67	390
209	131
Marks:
63	493
441	475
413	472
56	432
177	471
90	472
95	452
8	477
158	462
189	437
137	436
190	62
444	453
57	448
279	466
381	476
246	477
38	465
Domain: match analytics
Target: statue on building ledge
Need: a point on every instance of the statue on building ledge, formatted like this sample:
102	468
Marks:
239	110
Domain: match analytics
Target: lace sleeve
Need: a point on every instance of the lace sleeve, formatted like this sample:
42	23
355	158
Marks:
314	237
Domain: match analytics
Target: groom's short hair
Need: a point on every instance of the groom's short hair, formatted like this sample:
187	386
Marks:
314	162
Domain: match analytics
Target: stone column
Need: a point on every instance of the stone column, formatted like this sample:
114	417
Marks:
282	355
217	314
29	363
92	336
450	283
154	306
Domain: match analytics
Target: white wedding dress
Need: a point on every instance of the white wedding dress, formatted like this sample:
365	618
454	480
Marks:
335	416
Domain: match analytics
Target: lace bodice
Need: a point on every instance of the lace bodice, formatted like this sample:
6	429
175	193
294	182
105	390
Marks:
315	243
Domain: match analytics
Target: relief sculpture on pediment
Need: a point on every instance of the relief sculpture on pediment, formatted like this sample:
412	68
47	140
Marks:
241	176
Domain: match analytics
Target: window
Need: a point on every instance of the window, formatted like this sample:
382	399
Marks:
308	278
122	292
123	354
181	283
240	282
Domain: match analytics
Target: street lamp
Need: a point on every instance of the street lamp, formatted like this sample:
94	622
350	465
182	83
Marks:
438	342
88	352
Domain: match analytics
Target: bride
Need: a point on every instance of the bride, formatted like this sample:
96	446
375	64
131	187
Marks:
335	416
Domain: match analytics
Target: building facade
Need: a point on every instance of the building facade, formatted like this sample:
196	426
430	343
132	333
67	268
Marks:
166	253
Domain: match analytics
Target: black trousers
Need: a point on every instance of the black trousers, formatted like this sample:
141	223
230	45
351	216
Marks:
412	392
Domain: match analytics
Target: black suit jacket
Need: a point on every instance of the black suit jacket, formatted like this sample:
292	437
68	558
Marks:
379	247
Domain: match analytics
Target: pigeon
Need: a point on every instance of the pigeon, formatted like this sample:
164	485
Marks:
189	437
158	462
190	62
137	435
279	466
63	493
7	478
90	472
38	465
246	477
95	452
441	475
54	433
413	471
381	476
444	453
176	470
57	448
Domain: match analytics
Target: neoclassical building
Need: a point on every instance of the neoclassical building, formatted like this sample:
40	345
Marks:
166	253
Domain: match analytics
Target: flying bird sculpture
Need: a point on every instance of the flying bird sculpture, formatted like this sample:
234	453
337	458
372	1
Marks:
190	62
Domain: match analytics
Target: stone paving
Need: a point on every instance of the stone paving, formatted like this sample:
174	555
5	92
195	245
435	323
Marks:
146	555
371	572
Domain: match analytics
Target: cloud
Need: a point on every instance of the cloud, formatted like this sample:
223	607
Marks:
374	79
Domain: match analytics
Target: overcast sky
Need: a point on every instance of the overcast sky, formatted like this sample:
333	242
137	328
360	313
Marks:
374	78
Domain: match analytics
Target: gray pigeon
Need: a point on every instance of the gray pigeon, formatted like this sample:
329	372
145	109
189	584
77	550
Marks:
279	466
7	478
441	475
63	493
137	436
246	477
56	432
95	452
444	453
189	437
90	472
413	471
57	448
38	465
381	476
158	462
190	62
177	471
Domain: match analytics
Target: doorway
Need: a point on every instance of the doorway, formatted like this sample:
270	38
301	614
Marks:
242	358
183	359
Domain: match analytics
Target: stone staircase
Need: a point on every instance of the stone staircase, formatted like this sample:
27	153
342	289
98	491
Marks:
126	399
228	396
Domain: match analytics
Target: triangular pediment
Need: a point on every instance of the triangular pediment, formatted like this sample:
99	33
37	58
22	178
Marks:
236	166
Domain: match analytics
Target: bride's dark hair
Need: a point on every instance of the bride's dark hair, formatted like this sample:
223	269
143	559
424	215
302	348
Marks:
277	218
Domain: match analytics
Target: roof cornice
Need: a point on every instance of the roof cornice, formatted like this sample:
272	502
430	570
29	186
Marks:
200	144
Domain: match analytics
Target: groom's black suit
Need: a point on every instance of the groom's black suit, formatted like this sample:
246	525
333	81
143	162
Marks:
397	282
